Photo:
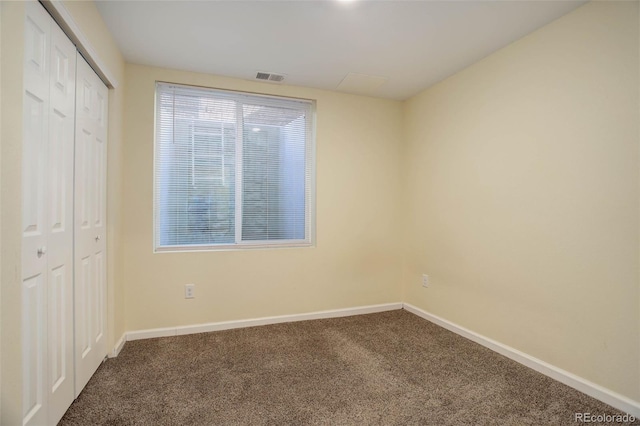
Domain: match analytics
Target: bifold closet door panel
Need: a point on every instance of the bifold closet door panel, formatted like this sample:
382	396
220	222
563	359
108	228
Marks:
34	214
47	209
90	226
60	239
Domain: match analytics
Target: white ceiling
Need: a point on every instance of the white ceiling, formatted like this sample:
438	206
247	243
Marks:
413	44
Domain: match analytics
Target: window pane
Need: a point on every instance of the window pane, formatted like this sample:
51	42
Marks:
273	193
196	182
231	169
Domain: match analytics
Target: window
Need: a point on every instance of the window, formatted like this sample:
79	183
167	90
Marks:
232	170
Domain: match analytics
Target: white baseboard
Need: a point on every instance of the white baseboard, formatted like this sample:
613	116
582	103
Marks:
118	347
228	325
603	394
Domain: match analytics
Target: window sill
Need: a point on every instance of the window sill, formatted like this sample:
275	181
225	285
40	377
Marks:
232	247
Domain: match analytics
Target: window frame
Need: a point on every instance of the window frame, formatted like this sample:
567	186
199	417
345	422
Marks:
310	163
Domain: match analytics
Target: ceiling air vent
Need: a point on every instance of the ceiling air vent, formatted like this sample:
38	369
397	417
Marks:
269	76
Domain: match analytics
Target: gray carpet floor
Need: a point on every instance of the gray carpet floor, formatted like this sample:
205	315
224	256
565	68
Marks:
390	368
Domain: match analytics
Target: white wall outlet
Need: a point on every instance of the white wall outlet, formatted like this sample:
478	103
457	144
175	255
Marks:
189	291
425	280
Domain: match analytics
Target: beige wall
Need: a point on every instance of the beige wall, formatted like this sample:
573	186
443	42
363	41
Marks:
521	196
356	260
12	38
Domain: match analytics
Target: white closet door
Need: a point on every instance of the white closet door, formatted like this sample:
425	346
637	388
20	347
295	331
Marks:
47	206
60	224
34	214
90	226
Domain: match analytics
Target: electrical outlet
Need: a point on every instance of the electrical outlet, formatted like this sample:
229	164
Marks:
425	280
189	291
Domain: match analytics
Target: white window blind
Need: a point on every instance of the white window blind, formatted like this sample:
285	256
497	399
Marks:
232	170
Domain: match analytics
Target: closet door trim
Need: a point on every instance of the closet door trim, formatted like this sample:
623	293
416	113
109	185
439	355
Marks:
64	19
